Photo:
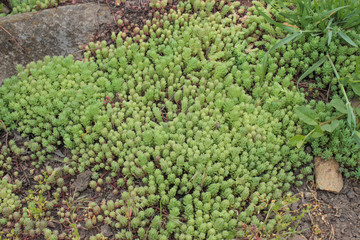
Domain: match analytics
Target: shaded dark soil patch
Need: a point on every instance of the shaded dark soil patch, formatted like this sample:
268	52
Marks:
317	94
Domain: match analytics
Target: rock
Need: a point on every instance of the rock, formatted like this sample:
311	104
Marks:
298	237
106	230
351	194
327	175
5	9
17	137
7	178
56	31
357	190
324	197
305	227
82	181
295	206
308	195
50	224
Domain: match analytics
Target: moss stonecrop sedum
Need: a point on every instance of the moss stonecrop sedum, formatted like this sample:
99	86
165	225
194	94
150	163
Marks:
23	6
177	120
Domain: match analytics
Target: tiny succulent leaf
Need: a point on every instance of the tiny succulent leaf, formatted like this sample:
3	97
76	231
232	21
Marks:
312	69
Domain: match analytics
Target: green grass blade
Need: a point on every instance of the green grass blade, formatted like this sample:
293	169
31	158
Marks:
316	5
351	19
264	65
333	67
344	36
269	19
284	41
357	137
350	111
311	69
292	18
329	36
286	8
304	12
276	46
328	14
320	20
329	23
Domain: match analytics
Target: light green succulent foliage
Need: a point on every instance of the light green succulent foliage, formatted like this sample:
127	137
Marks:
339	144
298	57
335	42
22	213
181	121
15	215
323	26
9	201
22	6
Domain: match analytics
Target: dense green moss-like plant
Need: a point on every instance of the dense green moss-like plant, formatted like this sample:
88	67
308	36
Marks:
176	121
329	19
22	6
334	21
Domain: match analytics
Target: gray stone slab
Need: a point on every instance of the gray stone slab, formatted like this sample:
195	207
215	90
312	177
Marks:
53	32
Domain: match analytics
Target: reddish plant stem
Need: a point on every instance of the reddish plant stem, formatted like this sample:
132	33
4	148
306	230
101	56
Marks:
162	211
93	198
104	174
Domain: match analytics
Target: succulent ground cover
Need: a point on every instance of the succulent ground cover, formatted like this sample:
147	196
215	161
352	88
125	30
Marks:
22	6
173	131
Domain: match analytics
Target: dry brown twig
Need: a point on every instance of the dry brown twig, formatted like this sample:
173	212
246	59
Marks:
12	37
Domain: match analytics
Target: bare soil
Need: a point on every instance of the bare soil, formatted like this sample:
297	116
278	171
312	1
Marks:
331	216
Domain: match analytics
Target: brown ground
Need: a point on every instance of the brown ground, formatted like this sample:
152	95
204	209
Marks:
332	216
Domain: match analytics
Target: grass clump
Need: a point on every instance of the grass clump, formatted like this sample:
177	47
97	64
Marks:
327	31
